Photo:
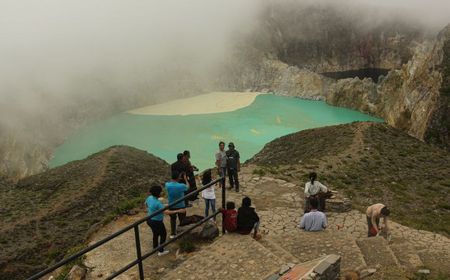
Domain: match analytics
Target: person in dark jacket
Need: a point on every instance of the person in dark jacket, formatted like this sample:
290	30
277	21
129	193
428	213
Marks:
179	166
247	219
233	166
189	169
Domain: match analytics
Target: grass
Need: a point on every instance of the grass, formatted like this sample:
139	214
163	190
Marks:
390	167
187	244
66	269
259	171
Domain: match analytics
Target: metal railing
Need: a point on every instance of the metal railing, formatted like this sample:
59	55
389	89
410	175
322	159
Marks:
135	226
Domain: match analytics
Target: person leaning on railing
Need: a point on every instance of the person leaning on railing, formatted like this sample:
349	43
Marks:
156	223
175	190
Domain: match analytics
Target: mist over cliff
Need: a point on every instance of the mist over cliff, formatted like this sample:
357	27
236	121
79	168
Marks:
67	63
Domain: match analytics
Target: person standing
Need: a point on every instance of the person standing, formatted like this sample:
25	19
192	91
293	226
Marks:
221	163
175	190
373	214
233	166
156	223
208	194
179	166
189	169
312	190
314	220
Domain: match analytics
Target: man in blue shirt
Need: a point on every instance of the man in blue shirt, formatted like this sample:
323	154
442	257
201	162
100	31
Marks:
314	220
176	190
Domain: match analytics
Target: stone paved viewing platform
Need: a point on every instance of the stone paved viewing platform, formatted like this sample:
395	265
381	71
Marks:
279	204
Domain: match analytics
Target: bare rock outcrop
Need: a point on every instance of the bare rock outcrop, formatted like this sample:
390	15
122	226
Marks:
414	98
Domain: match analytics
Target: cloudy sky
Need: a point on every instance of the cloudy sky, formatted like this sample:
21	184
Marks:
46	45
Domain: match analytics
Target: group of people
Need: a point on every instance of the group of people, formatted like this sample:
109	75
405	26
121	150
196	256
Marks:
185	170
183	182
228	163
245	220
315	219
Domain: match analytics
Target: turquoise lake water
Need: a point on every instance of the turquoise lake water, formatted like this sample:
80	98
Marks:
250	128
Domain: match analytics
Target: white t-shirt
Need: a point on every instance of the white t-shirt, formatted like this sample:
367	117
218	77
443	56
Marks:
221	156
209	193
314	188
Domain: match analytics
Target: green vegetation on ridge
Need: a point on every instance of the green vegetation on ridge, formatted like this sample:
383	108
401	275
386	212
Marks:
371	163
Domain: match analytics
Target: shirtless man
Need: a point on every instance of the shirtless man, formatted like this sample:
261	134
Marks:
374	213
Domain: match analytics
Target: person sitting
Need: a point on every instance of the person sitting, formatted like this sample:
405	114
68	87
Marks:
229	217
373	215
247	219
156	223
313	189
313	220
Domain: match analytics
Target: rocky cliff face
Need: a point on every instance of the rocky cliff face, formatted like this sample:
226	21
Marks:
294	45
413	98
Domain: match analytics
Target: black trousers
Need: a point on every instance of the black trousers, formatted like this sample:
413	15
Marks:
233	178
222	173
159	233
321	206
192	187
173	221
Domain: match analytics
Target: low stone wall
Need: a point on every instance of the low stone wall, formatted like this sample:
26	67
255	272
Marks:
339	205
326	268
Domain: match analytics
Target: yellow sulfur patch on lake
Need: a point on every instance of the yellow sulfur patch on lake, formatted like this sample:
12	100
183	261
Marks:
215	102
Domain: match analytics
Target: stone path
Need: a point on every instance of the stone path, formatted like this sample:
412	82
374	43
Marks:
232	256
280	205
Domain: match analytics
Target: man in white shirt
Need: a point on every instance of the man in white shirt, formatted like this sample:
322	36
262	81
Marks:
314	220
221	162
312	190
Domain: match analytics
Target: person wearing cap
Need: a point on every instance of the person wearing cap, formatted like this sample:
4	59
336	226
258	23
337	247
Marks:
233	166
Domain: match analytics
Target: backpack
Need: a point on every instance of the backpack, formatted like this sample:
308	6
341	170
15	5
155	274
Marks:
190	220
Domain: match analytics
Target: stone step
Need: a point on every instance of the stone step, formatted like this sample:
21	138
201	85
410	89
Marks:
276	249
306	246
231	256
406	255
376	251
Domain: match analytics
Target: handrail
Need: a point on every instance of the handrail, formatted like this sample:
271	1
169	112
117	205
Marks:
135	262
127	228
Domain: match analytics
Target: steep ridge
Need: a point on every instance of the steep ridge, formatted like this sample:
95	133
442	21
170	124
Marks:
413	98
43	216
277	193
383	165
294	44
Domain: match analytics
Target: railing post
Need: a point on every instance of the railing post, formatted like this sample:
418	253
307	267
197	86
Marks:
223	204
138	252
